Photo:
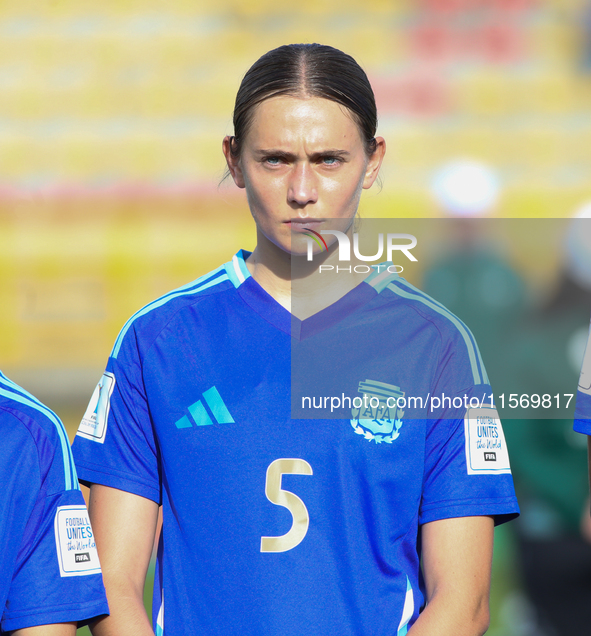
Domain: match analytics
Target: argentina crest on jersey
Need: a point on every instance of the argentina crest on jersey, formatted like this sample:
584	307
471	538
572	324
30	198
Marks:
377	415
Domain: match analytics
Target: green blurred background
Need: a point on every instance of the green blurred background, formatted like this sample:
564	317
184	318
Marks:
111	120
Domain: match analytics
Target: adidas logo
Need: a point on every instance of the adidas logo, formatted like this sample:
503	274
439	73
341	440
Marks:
216	411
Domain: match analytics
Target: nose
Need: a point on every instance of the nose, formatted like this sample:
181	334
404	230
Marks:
302	188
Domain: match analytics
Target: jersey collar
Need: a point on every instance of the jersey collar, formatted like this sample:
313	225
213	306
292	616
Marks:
271	311
236	268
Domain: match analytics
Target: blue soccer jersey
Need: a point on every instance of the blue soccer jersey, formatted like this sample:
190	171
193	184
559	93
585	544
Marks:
49	568
275	524
583	408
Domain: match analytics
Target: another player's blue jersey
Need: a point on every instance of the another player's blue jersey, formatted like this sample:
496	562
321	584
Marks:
275	525
49	568
583	408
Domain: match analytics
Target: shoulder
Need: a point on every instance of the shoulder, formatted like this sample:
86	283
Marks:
424	307
145	325
425	313
21	410
583	412
33	433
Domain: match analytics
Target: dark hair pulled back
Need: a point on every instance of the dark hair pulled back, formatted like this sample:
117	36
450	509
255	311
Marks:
306	70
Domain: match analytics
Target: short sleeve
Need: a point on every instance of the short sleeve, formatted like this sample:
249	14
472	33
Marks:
467	470
583	413
115	444
452	485
49	562
58	577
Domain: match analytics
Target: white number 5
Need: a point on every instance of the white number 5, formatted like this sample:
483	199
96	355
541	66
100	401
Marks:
278	496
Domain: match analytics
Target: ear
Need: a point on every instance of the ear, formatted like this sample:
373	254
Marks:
374	163
233	162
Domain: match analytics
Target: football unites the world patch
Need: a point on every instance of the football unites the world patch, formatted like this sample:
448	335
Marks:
74	541
486	449
378	418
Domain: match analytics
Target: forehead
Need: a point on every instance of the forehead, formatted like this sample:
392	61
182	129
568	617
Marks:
314	120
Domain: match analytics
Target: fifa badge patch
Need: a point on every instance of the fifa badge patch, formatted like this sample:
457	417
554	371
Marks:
376	415
94	423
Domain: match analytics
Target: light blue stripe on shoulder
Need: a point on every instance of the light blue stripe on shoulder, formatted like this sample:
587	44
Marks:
473	353
380	278
174	292
187	290
482	368
12	391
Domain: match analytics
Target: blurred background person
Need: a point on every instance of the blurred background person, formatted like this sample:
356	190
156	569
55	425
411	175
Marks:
585	37
550	461
471	276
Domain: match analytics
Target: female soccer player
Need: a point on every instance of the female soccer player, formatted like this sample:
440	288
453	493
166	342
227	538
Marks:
282	526
583	409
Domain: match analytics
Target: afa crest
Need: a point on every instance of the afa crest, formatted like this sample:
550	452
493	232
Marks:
378	418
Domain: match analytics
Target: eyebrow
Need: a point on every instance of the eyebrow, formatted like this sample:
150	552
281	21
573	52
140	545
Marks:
289	156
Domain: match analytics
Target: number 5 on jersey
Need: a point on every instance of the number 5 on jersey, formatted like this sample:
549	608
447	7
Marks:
279	497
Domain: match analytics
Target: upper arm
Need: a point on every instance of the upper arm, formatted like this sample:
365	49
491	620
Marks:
62	629
457	557
124	526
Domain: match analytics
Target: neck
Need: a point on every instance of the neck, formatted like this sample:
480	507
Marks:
297	284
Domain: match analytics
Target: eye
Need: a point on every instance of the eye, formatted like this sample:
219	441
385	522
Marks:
331	161
272	161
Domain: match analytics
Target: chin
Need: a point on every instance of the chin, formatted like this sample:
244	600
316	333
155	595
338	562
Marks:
299	246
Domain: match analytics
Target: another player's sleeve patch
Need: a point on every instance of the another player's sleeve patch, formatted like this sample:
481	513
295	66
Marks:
486	449
74	541
94	423
585	378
